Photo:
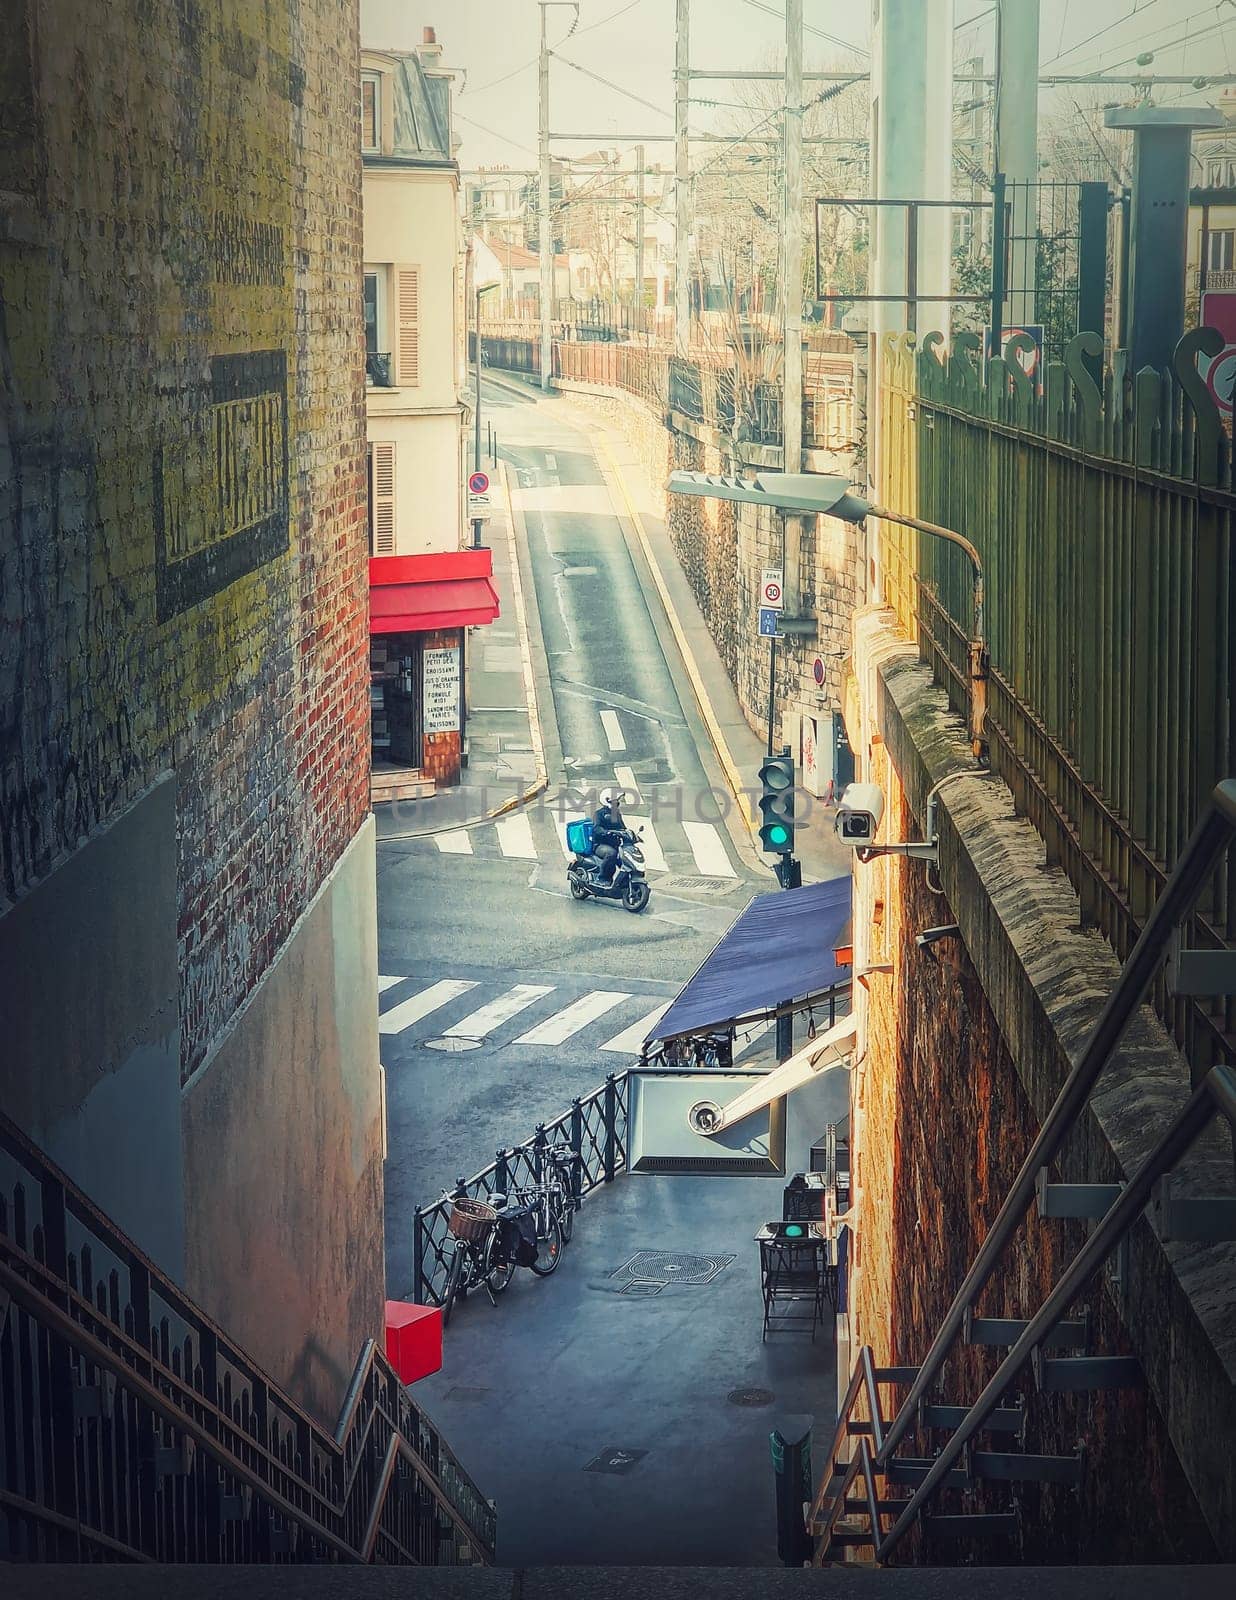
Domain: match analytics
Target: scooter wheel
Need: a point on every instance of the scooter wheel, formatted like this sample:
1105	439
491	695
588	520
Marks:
578	892
635	897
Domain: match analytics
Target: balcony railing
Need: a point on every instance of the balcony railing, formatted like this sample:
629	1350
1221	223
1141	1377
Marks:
135	1430
378	369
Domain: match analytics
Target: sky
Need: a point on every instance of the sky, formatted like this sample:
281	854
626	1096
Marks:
493	44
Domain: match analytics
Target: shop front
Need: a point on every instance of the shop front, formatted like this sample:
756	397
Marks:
421	608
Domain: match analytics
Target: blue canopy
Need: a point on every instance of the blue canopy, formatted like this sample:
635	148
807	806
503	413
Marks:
781	948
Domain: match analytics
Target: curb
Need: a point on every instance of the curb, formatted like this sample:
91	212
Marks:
541	782
728	765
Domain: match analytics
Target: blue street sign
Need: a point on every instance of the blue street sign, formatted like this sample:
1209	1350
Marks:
768	622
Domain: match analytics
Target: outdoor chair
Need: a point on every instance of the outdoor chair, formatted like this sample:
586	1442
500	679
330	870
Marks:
794	1280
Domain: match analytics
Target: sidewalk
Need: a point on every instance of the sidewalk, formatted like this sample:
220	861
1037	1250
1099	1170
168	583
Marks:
505	751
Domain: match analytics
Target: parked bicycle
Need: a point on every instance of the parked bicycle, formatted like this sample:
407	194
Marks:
478	1259
551	1201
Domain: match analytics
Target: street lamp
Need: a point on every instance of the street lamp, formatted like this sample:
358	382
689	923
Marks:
823	495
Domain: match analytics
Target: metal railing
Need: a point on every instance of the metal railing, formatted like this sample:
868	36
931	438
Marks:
595	1128
135	1430
1214	1096
378	369
1104	521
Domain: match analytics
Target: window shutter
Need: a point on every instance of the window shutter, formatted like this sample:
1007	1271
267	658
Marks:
369	114
383	510
407	328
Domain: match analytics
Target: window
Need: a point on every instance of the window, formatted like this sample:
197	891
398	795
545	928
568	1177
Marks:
1221	250
371	111
407	326
375	310
381	499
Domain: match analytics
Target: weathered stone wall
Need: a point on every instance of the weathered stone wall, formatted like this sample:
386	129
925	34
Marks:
182	521
966	1044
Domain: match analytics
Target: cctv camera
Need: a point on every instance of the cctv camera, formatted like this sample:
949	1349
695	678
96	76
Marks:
930	935
859	813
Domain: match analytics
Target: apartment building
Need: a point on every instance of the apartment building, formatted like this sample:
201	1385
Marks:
427	588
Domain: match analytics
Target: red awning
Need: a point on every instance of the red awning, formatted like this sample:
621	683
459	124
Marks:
412	594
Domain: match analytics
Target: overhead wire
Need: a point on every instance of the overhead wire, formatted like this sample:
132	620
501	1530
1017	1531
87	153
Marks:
844	44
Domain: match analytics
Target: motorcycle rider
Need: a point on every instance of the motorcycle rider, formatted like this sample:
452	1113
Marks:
608	831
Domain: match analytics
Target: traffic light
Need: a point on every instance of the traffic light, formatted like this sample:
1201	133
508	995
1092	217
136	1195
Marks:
777	804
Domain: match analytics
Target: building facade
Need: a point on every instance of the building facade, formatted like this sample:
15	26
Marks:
187	917
427	588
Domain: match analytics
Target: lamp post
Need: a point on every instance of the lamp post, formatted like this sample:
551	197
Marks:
823	495
478	290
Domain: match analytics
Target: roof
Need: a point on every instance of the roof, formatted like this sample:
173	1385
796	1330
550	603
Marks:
421	111
781	948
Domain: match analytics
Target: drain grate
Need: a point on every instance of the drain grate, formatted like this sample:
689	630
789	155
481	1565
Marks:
708	885
615	1460
671	1266
640	1288
751	1397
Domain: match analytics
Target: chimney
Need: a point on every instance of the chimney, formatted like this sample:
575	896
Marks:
429	43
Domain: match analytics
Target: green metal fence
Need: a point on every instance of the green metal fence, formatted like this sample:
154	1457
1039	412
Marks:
1104	520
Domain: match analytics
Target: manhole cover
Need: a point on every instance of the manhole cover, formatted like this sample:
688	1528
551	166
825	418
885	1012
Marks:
672	1266
639	1289
751	1397
615	1460
452	1046
710	885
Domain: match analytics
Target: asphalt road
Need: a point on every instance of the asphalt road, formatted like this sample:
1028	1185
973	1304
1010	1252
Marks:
502	997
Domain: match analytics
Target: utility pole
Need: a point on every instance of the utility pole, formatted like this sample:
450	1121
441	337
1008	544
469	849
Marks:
1017	157
792	294
545	232
639	236
682	178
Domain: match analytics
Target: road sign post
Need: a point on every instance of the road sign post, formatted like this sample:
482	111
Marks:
479	505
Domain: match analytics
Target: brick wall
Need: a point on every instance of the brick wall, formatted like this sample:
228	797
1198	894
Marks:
942	1119
182	529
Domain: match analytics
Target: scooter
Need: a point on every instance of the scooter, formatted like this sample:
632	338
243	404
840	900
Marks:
628	883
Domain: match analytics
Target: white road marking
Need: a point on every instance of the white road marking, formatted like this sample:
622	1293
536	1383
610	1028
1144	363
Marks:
456	843
551	461
613	730
654	856
630	1040
420	1005
387	983
710	853
626	778
567	1022
481	1023
515	836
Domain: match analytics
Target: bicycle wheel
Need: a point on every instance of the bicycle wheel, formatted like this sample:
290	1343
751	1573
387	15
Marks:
500	1271
566	1214
452	1284
548	1249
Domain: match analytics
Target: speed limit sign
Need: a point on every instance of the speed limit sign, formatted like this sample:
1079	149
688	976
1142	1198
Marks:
771	588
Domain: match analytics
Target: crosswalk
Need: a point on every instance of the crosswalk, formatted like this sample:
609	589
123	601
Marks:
525	1015
540	835
543	1016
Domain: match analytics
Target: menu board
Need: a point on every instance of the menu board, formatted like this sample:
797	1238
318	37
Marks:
440	700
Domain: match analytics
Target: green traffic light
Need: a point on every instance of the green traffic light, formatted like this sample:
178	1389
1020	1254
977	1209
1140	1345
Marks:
778	835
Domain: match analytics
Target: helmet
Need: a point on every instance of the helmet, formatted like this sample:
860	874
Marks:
608	797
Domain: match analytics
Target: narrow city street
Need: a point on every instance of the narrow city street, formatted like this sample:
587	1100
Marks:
501	996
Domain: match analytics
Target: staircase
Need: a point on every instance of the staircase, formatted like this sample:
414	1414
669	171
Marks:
872	1495
133	1430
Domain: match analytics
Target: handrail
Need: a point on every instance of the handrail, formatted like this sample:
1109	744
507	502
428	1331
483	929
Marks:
1215	1094
1210	838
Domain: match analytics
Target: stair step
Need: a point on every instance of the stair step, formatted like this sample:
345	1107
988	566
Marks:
1074	1374
1007	1331
1015	1467
1005	1419
974	1523
1075	1200
914	1470
851	1536
858	1508
896	1374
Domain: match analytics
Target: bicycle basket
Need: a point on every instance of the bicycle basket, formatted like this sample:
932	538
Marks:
579	837
471	1219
